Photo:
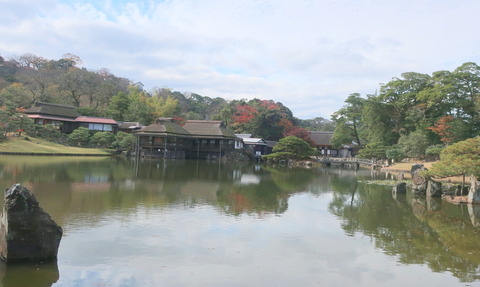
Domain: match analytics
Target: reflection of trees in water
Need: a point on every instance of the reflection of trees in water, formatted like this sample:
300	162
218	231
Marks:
412	229
43	274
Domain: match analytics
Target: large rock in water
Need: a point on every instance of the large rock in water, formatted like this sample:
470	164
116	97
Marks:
434	188
419	185
27	233
474	192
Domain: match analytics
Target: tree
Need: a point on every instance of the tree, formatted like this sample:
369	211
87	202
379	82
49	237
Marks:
300	133
395	153
102	139
291	147
316	124
461	158
79	137
124	141
118	106
458	159
373	150
443	127
348	122
139	108
414	144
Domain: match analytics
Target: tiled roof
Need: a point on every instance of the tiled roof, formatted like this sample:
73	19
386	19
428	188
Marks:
53	110
321	138
84	119
256	141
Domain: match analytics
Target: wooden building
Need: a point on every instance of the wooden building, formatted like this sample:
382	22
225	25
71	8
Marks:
323	143
66	118
61	116
196	140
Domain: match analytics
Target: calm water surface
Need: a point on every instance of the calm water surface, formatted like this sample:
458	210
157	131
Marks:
188	223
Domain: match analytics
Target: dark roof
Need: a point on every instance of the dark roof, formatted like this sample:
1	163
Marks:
130	125
163	126
208	129
321	138
271	143
53	110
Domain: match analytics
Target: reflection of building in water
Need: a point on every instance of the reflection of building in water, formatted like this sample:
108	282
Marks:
204	190
249	179
95	178
90	186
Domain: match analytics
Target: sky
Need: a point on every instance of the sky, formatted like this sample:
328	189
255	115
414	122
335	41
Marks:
309	55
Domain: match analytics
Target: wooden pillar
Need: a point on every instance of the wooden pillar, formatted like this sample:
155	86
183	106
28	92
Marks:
198	149
165	148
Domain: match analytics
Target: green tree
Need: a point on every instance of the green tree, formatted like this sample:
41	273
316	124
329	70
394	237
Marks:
395	153
373	150
124	141
414	144
102	139
139	109
291	147
118	106
348	122
461	158
79	137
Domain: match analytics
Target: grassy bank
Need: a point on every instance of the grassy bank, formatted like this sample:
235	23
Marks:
41	146
406	166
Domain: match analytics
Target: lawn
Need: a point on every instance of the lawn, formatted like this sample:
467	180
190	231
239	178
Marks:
406	166
41	146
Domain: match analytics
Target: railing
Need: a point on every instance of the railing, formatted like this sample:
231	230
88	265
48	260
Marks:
347	160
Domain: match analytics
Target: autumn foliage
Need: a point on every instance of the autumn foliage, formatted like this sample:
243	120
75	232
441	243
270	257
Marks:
443	128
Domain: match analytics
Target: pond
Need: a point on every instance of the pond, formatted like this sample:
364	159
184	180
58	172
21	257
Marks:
196	223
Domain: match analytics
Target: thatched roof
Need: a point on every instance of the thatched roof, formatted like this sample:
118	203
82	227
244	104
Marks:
208	129
321	138
164	126
53	110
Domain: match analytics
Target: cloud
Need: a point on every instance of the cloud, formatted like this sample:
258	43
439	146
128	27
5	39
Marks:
309	55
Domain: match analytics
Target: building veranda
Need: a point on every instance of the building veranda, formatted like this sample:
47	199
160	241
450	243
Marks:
194	140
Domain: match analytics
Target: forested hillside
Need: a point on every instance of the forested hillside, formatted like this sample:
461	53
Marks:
30	78
414	115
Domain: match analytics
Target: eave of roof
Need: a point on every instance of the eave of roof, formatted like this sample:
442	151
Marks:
51	118
84	119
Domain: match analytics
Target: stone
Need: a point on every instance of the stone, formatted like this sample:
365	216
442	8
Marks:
27	232
400	188
419	185
474	192
416	167
434	188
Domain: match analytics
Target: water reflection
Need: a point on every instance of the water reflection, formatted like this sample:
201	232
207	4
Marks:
439	234
183	211
29	274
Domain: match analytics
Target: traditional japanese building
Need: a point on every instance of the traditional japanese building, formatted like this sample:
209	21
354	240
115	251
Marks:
61	116
66	118
195	139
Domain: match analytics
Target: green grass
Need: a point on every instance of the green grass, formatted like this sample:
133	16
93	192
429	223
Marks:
41	146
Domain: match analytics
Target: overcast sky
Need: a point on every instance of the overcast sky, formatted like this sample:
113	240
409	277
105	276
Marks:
308	54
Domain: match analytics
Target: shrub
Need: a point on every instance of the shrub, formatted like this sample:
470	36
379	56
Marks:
433	151
102	139
79	137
